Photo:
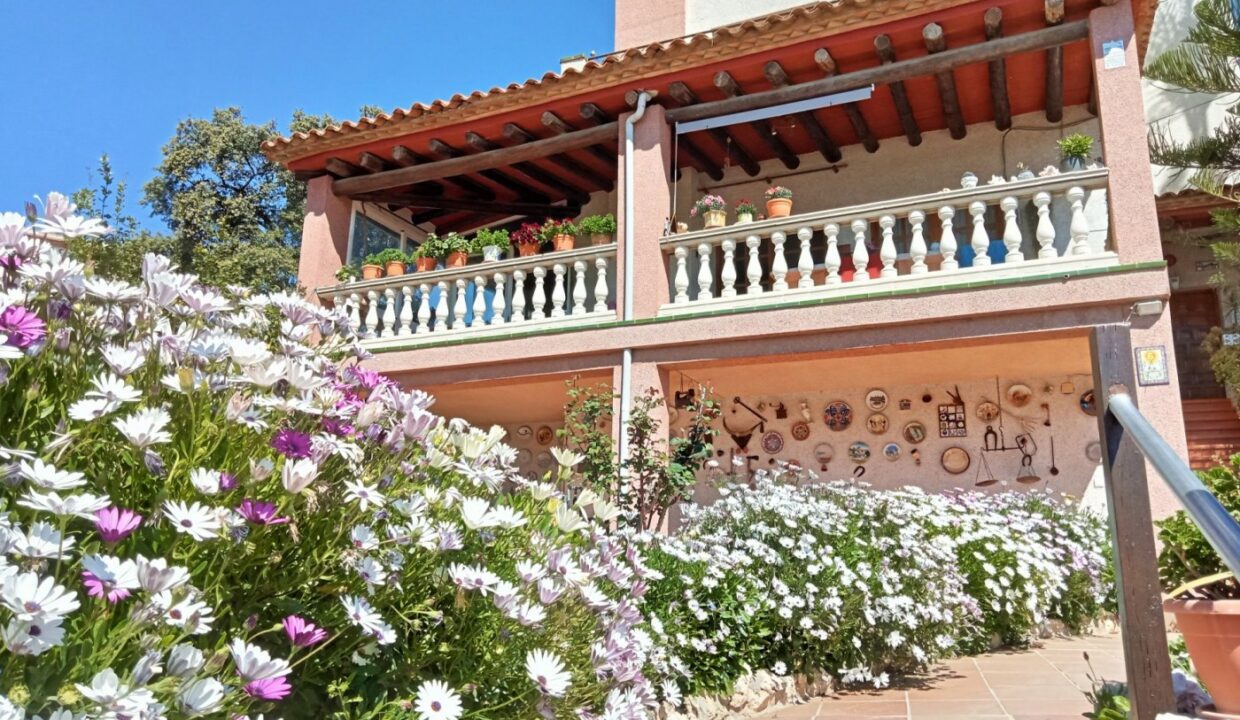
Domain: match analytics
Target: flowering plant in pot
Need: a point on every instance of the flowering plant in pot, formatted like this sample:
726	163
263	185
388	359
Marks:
745	212
527	239
778	201
392	260
600	228
562	234
372	267
347	274
713	209
1205	596
491	244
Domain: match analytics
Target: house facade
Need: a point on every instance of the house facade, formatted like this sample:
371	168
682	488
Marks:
923	314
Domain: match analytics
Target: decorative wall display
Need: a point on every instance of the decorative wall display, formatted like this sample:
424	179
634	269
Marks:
876	399
685	398
955	460
916	455
891	451
772	442
987	411
1093	451
524	431
1019	395
1089	404
914	432
1067	387
877	423
545	435
838	415
1152	365
800	430
951	421
543	461
824	453
906	404
524	456
806	413
781	411
859	452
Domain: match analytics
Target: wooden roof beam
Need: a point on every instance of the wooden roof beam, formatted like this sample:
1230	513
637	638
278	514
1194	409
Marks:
406	199
697	157
521	136
826	63
728	85
997	69
373	163
827	147
534	172
599	151
523	191
342	168
681	93
936	42
904	109
405	157
1053	11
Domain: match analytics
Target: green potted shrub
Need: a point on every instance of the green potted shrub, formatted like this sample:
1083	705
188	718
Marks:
1075	149
527	238
713	210
347	274
456	250
600	228
562	234
491	244
372	266
392	260
424	256
745	212
778	201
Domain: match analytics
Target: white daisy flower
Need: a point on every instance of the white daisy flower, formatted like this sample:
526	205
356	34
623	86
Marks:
197	521
547	671
298	474
42	541
364	495
436	700
145	427
84	505
110	387
33	637
155	576
201	696
31	598
255	663
45	475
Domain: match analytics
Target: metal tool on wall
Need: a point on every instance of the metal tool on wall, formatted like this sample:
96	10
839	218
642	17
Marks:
743	437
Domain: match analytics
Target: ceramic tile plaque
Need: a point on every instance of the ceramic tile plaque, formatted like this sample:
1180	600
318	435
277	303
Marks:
1152	365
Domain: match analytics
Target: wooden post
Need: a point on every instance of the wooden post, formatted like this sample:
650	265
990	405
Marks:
1132	531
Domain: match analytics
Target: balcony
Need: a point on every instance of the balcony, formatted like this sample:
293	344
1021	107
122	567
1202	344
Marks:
562	289
1007	230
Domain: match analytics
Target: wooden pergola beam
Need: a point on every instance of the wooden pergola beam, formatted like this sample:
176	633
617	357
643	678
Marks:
936	42
594	114
726	83
600	152
826	63
495	207
520	136
697	157
899	96
827	147
893	72
997	70
342	168
534	172
523	191
405	157
373	163
454	167
681	93
1054	12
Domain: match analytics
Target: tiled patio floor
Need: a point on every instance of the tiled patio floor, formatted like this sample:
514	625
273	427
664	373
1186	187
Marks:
1046	682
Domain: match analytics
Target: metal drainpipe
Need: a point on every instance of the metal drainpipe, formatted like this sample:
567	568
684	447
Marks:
626	362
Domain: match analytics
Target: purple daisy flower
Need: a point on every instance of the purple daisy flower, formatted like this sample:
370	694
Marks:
276	688
291	443
302	633
260	513
23	327
98	587
115	524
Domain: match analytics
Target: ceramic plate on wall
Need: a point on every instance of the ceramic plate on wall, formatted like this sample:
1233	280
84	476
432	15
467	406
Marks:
524	431
914	432
859	452
1089	404
524	457
838	415
772	443
824	453
955	460
987	411
876	399
545	435
543	460
877	423
1019	395
1093	451
891	451
800	430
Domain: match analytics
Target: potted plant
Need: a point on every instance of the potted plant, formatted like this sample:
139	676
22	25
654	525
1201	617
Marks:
527	238
562	234
372	267
778	201
392	260
455	249
600	228
713	209
346	274
425	257
1205	598
1075	149
745	211
491	244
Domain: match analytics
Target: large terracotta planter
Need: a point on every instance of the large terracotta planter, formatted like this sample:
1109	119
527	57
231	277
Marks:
714	219
458	259
396	268
527	250
372	272
1211	629
778	207
564	242
426	264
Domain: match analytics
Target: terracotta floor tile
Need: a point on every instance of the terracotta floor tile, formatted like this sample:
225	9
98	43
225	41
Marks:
954	708
845	709
793	712
1048	677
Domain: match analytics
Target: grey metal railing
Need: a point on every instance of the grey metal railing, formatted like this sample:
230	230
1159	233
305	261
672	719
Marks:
1219	527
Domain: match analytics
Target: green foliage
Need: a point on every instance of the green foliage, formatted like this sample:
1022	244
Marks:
598	225
1076	145
1185	554
587	431
347	272
745	207
385	256
490	237
434	246
106	201
551	228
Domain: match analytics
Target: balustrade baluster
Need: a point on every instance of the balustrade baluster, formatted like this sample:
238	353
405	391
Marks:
579	287
917	245
389	312
459	306
355	313
557	291
406	310
480	301
600	285
860	254
805	261
705	277
1011	231
981	240
499	303
832	260
518	296
442	321
887	251
540	294
727	274
681	280
424	308
372	314
779	264
753	270
947	239
1078	229
1045	232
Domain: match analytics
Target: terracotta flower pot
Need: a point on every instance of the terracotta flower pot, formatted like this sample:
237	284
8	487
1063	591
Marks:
372	272
527	250
1211	629
779	207
600	238
426	264
564	242
714	219
395	268
458	259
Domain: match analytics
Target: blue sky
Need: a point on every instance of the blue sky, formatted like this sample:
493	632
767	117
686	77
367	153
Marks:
116	76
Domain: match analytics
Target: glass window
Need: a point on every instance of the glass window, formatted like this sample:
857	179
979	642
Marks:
370	237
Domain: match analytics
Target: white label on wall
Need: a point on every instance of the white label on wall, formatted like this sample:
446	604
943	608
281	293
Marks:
1113	54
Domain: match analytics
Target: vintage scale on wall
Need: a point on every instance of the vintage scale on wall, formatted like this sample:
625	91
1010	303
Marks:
995	441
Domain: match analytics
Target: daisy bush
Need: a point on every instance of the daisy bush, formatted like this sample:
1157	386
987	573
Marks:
210	509
863	583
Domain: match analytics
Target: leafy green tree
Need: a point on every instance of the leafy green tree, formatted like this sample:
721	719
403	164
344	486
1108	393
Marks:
106	200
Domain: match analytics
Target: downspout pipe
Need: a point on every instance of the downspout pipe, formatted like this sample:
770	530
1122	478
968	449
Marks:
626	361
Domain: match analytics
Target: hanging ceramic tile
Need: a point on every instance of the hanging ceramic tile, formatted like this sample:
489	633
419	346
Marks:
824	453
906	404
524	431
955	460
1019	395
877	423
914	432
772	442
876	399
545	435
800	430
859	452
891	451
987	411
838	415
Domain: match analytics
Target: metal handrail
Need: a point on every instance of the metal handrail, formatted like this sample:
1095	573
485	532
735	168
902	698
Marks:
1219	527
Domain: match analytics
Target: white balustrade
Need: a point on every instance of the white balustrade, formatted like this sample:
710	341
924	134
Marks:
553	288
1002	228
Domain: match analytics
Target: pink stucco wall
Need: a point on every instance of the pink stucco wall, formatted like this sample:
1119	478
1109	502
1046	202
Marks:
652	144
640	22
324	237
